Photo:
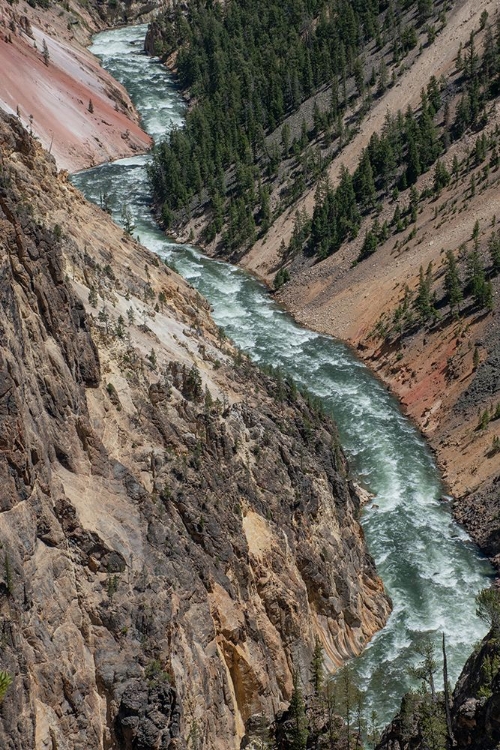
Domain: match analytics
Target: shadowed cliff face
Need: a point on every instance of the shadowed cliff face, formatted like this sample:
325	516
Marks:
176	526
476	699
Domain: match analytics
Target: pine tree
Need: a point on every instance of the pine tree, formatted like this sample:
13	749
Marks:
480	289
441	176
428	142
382	77
265	207
348	212
414	198
317	673
424	9
494	251
127	220
299	732
413	167
45	53
427	668
488	608
432	721
434	95
423	302
363	181
369	245
359	76
348	700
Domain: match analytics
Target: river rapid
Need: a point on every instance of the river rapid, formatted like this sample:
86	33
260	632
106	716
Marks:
429	566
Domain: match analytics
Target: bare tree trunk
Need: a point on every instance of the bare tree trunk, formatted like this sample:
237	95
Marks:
451	739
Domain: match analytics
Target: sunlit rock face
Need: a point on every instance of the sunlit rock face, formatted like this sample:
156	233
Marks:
177	528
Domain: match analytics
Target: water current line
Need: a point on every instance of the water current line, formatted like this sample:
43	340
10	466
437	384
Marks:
429	566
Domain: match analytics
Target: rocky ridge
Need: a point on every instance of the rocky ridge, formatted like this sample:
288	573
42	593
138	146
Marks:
177	528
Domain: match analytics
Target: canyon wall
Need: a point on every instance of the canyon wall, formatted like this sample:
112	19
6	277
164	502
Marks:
59	90
177	528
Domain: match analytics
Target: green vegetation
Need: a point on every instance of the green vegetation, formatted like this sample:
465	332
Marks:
155	674
330	715
5	682
423	712
452	284
281	278
127	219
247	67
461	285
299	731
408	146
488	609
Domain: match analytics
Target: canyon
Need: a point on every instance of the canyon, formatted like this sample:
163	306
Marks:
178	527
445	375
175	536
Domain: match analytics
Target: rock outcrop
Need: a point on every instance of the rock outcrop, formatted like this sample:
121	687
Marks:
476	699
176	527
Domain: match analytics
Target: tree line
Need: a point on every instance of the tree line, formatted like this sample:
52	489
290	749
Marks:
330	712
246	67
409	145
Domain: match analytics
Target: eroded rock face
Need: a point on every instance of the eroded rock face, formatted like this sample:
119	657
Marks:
176	530
476	699
148	716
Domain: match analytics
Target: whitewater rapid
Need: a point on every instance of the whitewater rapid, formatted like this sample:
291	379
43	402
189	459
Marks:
429	566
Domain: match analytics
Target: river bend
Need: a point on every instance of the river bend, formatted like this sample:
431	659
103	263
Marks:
430	568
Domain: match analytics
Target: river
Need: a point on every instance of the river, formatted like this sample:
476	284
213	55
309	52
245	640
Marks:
429	566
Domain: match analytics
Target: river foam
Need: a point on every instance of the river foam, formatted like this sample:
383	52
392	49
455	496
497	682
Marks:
429	567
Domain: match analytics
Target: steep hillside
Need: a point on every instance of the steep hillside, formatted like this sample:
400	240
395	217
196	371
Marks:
58	89
177	528
440	354
358	198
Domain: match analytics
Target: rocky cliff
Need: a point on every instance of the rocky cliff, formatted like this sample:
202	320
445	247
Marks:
176	527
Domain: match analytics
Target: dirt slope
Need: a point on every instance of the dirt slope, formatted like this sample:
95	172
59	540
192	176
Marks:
52	99
437	60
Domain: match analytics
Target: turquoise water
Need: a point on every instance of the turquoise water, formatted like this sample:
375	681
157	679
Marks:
429	566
